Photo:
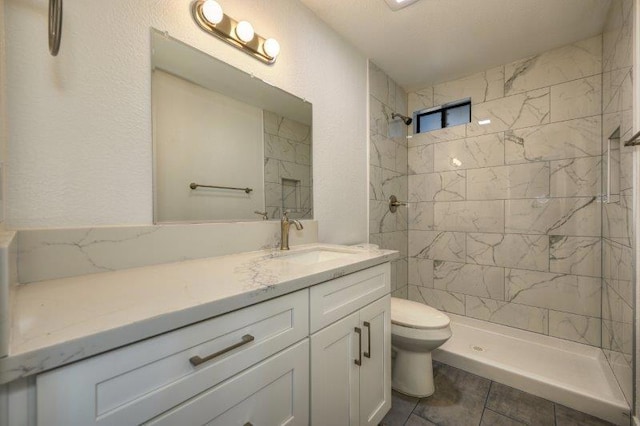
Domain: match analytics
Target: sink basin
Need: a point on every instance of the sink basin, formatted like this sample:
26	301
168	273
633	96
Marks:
315	256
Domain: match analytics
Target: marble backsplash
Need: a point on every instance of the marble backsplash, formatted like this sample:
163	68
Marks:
505	218
59	253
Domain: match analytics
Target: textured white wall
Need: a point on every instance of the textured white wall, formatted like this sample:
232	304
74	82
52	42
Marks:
79	146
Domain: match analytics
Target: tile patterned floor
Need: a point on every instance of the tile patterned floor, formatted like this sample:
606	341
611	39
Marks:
463	399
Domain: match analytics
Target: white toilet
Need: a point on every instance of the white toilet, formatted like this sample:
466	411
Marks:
416	330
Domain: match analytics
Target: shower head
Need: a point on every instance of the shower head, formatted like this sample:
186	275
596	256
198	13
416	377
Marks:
404	118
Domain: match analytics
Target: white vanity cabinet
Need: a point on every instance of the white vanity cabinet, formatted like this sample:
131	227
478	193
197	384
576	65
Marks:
155	380
289	361
351	355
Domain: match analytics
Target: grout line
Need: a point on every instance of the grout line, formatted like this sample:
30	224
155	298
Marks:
596	116
486	400
539	162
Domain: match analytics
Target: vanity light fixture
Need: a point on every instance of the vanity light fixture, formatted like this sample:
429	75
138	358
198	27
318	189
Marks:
209	16
244	31
212	12
271	47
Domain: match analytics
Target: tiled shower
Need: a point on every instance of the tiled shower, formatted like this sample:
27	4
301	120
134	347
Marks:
388	172
525	221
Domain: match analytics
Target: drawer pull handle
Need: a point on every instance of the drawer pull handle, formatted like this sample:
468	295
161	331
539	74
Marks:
359	360
367	354
196	360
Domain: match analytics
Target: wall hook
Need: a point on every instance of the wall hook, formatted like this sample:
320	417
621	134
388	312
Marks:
55	26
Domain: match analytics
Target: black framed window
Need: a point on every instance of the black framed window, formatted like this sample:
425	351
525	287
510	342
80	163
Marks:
449	115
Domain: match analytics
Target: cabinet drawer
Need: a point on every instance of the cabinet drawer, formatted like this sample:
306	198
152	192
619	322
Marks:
274	392
140	381
336	299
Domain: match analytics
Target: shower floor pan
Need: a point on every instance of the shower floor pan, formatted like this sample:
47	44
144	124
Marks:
568	373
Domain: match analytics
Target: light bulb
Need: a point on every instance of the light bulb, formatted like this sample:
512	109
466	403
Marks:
212	12
244	31
271	47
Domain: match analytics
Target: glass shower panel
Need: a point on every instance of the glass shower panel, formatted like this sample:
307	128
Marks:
618	286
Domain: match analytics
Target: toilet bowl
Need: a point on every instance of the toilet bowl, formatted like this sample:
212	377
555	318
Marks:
416	330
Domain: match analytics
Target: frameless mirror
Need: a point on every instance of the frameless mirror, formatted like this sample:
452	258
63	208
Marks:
227	145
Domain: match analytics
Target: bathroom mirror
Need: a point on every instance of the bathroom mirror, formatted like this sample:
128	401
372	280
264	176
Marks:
227	146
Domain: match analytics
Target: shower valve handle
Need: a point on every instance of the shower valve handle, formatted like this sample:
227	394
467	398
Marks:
394	204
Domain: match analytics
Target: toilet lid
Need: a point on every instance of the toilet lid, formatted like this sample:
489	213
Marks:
416	315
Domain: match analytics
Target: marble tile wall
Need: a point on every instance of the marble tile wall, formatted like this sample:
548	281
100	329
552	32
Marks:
388	164
505	218
46	254
287	167
618	288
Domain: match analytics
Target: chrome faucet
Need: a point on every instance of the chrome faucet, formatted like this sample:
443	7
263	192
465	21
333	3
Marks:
285	223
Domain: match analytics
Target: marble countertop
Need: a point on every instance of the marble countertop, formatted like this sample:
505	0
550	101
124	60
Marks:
60	321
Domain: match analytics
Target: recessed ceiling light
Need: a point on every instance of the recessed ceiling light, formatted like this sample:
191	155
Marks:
484	122
399	4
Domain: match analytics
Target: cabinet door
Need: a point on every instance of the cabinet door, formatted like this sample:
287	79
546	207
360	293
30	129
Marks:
375	373
274	392
335	377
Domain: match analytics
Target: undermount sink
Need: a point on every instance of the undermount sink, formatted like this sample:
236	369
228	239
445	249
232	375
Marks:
315	256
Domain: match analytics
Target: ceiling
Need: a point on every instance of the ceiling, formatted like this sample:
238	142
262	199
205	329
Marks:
433	41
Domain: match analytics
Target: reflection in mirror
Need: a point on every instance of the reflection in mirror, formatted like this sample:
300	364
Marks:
227	146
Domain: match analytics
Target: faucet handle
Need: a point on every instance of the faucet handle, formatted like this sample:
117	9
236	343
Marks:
285	215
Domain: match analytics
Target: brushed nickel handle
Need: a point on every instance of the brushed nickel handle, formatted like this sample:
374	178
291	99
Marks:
359	360
55	26
367	354
196	360
394	204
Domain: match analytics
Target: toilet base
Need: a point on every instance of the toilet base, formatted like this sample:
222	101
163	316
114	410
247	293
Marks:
413	373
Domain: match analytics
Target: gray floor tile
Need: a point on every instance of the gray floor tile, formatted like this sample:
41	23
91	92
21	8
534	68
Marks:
463	398
458	400
520	405
418	421
566	416
491	418
401	408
